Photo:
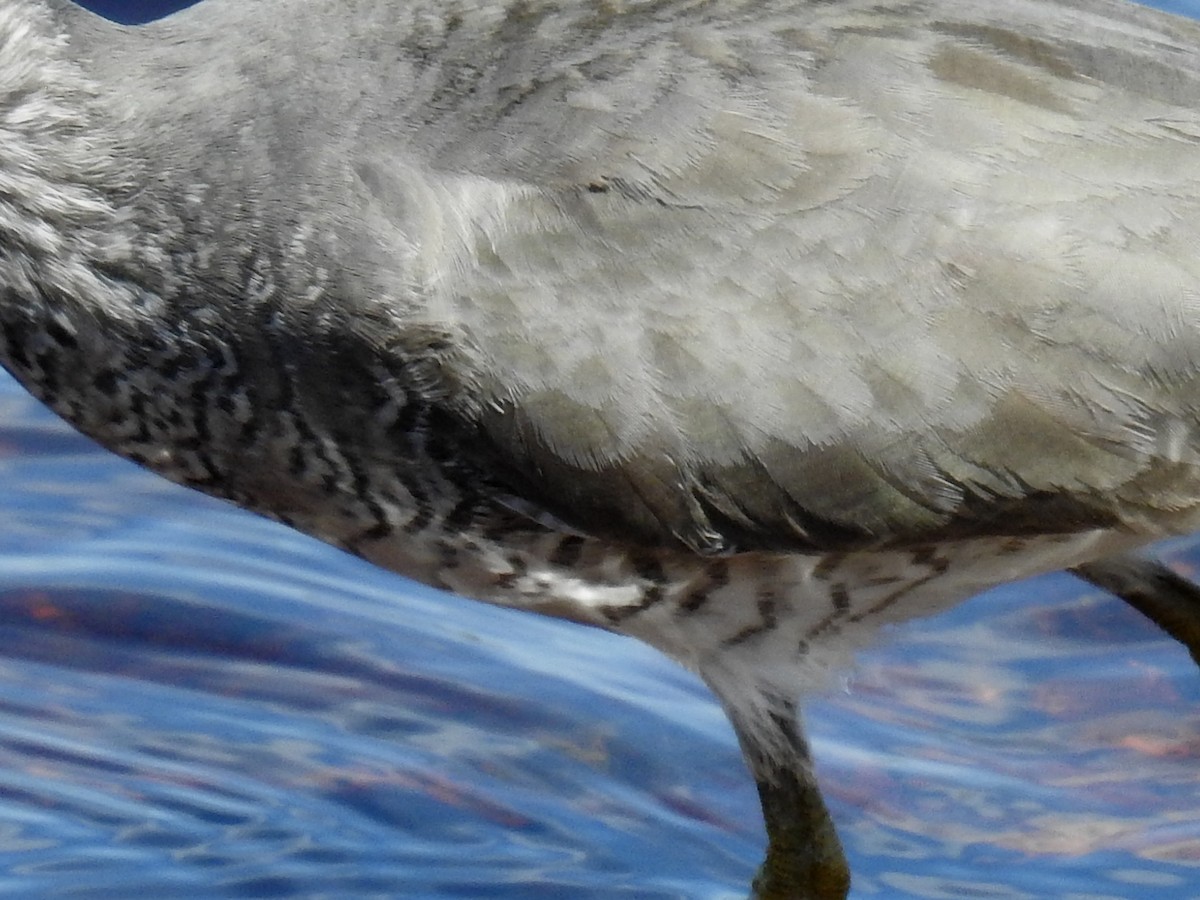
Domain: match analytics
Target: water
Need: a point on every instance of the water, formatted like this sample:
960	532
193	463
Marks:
195	703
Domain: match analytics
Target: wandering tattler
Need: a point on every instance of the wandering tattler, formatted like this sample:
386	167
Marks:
739	326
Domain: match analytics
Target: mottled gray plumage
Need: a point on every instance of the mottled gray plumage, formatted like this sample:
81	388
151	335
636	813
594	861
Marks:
738	326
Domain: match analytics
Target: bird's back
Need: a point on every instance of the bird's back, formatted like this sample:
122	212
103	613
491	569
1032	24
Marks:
799	276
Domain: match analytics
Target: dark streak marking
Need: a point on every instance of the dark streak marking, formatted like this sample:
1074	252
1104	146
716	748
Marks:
768	612
651	596
568	551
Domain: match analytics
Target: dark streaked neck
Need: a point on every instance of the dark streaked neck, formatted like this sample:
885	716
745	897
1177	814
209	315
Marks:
182	275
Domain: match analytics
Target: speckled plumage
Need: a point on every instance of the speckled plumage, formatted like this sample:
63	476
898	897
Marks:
740	327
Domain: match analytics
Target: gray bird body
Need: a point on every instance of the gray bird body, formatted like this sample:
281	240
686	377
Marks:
741	327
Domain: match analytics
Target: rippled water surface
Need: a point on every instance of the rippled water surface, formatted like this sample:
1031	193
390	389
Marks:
196	703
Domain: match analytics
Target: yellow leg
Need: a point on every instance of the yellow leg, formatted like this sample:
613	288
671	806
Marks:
804	859
1167	599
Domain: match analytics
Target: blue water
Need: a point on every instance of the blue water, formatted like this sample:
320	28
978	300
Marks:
196	703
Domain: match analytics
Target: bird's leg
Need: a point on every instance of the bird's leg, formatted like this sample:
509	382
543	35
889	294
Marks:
1167	599
804	860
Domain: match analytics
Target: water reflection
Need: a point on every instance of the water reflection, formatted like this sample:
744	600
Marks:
1058	753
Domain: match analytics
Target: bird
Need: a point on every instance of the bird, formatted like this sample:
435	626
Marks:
740	328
